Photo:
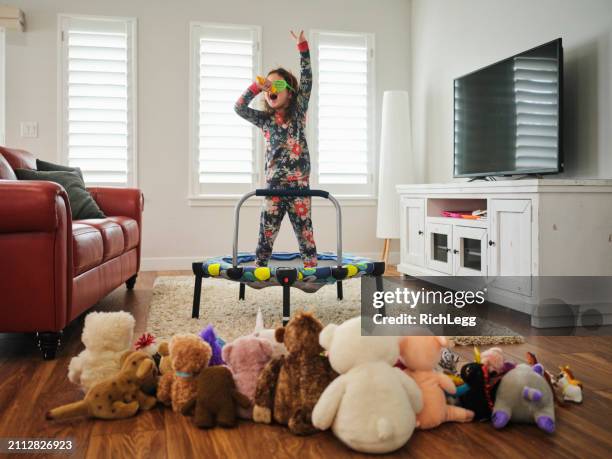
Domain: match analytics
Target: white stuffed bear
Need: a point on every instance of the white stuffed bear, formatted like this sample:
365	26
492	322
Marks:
106	335
371	406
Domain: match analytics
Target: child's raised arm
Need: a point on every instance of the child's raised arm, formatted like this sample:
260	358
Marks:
257	117
303	95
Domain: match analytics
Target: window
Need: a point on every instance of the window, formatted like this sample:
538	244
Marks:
225	148
344	118
98	98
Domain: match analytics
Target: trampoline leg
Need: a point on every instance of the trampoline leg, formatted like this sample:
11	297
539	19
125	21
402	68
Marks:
379	288
241	293
286	304
339	289
197	294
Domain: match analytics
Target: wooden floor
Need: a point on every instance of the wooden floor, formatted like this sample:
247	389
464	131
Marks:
29	387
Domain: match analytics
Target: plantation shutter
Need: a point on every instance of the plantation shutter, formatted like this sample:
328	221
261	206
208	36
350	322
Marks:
97	98
226	60
344	109
536	93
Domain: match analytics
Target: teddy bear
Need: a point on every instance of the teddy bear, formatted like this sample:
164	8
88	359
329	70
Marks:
289	386
217	399
420	354
164	365
106	335
524	395
246	357
371	407
189	355
119	396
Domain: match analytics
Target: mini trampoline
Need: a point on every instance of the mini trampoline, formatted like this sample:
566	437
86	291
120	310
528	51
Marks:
285	269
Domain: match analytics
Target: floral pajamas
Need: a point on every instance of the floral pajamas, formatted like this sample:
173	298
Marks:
287	165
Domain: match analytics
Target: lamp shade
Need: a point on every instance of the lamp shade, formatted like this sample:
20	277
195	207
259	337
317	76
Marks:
396	165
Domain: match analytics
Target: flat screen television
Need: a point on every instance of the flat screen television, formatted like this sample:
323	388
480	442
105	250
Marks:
508	116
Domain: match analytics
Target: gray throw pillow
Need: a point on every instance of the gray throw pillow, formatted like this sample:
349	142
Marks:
47	166
81	203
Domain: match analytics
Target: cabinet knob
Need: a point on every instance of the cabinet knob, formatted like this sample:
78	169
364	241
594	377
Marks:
455	251
491	243
420	233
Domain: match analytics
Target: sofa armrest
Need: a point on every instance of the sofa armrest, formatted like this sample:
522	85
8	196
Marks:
124	202
35	256
31	206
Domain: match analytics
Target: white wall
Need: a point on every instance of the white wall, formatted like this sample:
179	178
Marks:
175	233
450	38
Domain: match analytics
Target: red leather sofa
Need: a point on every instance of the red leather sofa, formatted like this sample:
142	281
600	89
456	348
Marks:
53	269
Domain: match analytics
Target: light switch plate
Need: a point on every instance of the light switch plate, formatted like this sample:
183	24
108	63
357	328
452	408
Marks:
29	129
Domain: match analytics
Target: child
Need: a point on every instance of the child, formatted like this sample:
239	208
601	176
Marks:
287	162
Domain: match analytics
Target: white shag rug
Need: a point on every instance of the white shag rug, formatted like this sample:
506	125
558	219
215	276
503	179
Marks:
170	311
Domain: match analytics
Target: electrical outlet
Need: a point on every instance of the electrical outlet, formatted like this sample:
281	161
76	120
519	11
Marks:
29	129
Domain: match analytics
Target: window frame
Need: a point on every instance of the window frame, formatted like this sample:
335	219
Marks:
369	190
62	96
196	192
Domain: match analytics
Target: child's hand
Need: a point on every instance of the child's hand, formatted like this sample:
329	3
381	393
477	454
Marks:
264	84
299	39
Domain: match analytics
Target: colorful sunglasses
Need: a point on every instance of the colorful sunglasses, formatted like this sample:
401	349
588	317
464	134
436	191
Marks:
277	86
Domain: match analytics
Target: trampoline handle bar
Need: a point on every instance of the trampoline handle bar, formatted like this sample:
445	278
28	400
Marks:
292	192
288	193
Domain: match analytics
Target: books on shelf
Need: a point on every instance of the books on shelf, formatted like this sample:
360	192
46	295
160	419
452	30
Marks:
467	214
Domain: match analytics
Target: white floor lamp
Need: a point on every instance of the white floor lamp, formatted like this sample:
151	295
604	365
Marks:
396	165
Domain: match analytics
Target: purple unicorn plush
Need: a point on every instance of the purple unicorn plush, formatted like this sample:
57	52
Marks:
208	334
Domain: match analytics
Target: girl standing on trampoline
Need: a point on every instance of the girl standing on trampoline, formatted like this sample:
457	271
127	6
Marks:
287	162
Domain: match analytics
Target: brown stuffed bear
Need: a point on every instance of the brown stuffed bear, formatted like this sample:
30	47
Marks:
120	396
189	355
165	365
290	385
217	400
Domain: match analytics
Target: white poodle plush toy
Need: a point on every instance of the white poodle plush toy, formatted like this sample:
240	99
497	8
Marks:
106	335
371	406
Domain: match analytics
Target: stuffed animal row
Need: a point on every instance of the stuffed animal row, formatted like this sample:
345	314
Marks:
308	378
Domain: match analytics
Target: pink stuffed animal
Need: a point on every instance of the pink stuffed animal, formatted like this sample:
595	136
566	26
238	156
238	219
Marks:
420	354
247	356
494	360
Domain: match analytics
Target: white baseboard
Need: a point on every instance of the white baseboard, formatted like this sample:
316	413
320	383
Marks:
184	263
168	263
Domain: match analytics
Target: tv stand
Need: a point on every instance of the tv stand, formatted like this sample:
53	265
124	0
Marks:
534	229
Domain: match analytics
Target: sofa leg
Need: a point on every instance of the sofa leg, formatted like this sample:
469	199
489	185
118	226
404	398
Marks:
48	343
131	282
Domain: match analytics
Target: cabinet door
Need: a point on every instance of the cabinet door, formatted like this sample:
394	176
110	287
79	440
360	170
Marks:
469	251
510	244
438	253
412	231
